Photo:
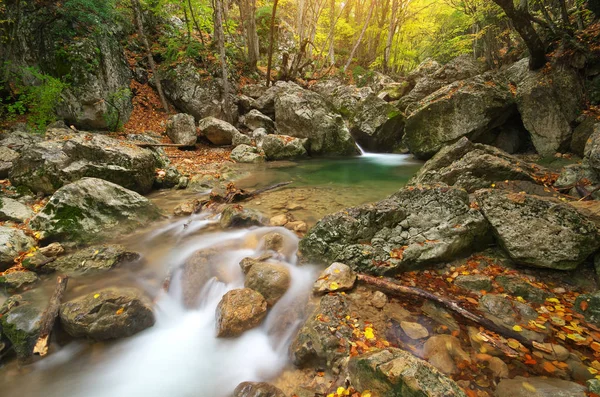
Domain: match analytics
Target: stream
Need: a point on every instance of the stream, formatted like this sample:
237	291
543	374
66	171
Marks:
180	355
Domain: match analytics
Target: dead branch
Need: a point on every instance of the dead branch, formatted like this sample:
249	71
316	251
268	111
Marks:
49	316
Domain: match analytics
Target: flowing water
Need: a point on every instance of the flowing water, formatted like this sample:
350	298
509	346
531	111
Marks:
180	355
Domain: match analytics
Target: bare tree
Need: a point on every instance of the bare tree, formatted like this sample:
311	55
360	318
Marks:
218	8
362	33
332	22
271	42
390	37
248	14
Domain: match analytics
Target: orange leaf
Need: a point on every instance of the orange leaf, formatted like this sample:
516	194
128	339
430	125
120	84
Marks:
583	305
549	367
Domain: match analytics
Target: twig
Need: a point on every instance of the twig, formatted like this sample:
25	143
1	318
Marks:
49	316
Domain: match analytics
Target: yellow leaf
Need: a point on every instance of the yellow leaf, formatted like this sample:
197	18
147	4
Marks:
576	337
339	391
96	296
536	324
366	393
336	271
333	286
593	371
520	299
514	344
120	311
552	300
517	328
369	333
529	387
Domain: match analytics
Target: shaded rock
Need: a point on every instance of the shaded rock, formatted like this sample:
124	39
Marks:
465	108
273	242
574	173
377	126
12	243
439	315
582	133
444	352
538	387
241	139
17	280
254	90
169	178
91	208
315	346
460	68
7	157
498	367
257	389
52	250
592	151
474	166
516	286
160	156
412	228
12	210
337	277
507	313
394	91
240	310
542	232
379	299
247	154
110	313
591	305
20	322
271	280
181	129
255	119
589	209
282	147
394	372
93	259
217	131
414	331
238	216
474	282
305	114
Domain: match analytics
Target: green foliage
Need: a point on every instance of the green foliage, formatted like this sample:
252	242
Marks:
362	76
116	102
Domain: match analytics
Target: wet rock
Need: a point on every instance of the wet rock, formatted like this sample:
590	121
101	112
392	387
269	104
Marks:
282	147
474	166
255	119
12	243
110	313
474	282
591	304
12	210
271	280
412	228
444	352
479	343
305	114
414	331
592	151
377	126
557	352
337	277
247	154
240	310
93	259
315	346
498	367
279	220
238	216
439	315
90	209
7	157
186	209
169	178
297	226
379	299
539	387
507	313
573	173
197	270
273	242
542	232
181	129
462	109
240	139
20	322
16	280
217	131
52	250
394	372
516	286
257	389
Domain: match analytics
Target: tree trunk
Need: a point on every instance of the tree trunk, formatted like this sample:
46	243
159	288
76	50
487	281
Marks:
196	22
392	30
220	38
248	14
362	33
332	21
522	23
140	25
271	42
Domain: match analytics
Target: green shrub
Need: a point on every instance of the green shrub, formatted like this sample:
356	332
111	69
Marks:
116	102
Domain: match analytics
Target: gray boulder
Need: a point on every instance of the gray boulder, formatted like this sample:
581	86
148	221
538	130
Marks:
240	139
394	91
90	209
282	147
460	68
271	280
93	259
240	310
247	154
582	133
542	232
305	114
415	227
394	372
238	216
12	210
47	166
255	119
474	166
181	129
7	157
12	243
377	126
110	313
218	132
465	108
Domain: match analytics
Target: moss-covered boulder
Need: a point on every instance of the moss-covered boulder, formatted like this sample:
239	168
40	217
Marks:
14	281
282	147
93	259
90	209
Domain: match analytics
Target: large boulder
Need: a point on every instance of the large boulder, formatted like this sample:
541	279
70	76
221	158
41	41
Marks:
394	372
465	108
47	166
539	232
474	166
110	313
305	114
7	157
549	101
181	129
240	310
255	119
377	126
414	227
90	209
282	147
12	210
272	280
12	243
217	131
247	154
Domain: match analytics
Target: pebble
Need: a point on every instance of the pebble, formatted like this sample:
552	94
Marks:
279	220
379	299
414	331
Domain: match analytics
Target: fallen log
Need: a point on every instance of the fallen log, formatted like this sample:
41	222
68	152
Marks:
394	288
235	195
49	316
